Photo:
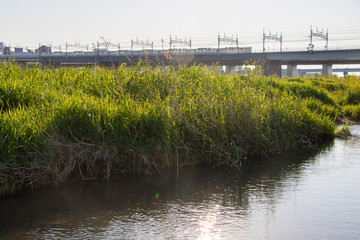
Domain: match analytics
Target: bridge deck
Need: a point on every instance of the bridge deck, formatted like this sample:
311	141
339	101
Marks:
272	60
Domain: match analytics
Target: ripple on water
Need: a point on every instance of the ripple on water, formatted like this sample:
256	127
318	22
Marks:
296	196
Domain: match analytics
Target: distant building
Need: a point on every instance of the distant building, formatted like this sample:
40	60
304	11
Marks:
7	51
1	48
19	50
43	49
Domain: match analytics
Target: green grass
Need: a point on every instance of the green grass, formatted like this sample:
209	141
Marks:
352	111
58	123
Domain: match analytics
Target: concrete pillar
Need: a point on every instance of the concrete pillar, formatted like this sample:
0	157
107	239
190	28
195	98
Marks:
327	69
292	70
229	69
272	68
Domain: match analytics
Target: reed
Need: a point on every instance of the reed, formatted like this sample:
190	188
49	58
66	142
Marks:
352	112
90	123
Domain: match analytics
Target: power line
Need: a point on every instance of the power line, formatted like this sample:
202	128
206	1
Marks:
142	43
318	34
179	41
344	36
227	40
272	37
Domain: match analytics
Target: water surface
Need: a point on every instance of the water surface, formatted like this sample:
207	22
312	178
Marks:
303	195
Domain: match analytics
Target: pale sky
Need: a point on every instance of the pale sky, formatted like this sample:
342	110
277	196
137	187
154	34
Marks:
33	22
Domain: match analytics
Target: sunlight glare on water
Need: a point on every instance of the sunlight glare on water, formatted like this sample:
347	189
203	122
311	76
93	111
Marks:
303	195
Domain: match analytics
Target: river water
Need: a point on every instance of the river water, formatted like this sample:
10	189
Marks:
306	195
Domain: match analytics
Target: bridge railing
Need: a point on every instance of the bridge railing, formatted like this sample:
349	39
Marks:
204	51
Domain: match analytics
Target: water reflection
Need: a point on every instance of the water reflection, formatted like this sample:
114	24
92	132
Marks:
274	198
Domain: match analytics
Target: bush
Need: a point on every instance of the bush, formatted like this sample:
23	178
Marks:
352	111
91	122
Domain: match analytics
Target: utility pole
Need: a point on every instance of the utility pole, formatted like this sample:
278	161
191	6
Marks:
272	37
76	45
227	40
142	43
179	41
108	44
319	34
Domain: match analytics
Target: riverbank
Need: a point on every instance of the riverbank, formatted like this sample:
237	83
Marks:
90	123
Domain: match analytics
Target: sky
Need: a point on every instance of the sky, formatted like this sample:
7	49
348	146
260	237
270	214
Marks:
29	23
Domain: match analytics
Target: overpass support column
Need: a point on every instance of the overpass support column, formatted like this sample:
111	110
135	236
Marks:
272	68
229	69
327	69
292	70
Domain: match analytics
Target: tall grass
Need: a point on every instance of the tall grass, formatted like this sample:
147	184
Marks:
89	123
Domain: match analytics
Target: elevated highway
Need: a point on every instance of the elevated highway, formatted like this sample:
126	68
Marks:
272	61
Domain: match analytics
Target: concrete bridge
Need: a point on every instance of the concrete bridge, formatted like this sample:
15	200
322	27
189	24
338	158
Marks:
271	61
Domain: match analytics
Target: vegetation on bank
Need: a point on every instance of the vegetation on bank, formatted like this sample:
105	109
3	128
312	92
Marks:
91	122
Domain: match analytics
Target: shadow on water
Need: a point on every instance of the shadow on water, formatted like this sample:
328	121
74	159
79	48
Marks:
128	200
